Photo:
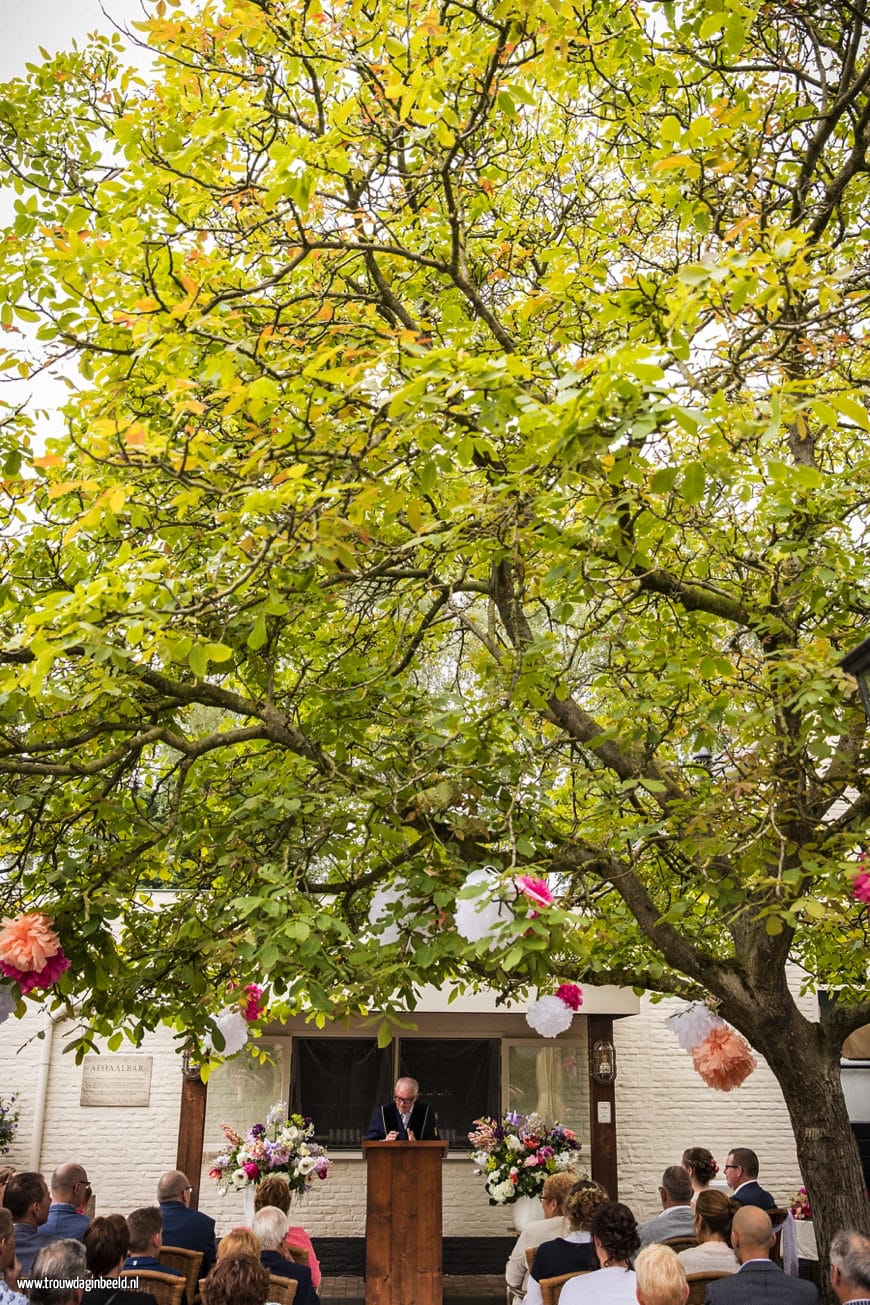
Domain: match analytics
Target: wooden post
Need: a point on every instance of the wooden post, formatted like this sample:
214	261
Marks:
191	1129
403	1223
602	1113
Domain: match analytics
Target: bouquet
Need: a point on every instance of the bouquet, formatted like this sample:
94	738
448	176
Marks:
280	1146
518	1153
8	1122
800	1205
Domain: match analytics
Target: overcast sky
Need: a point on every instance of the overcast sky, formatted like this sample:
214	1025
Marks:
29	24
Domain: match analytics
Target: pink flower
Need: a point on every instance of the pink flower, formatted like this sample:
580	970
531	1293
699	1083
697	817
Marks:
530	1161
28	941
215	1173
535	889
254	1007
861	887
571	994
44	978
252	1170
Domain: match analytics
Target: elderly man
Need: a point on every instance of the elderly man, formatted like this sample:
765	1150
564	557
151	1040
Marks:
182	1226
850	1267
660	1278
758	1281
56	1271
70	1191
270	1225
677	1218
27	1200
405	1118
741	1175
8	1263
553	1193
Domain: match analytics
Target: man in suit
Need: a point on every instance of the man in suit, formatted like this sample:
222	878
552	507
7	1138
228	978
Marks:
27	1200
190	1229
741	1175
70	1193
677	1218
270	1225
850	1267
405	1118
758	1281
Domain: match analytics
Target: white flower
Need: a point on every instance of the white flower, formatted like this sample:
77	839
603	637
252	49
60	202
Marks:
502	1192
549	1016
565	1159
305	1164
514	1142
239	1178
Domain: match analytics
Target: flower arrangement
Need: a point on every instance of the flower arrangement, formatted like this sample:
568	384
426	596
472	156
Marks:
30	951
518	1153
800	1205
280	1146
8	1122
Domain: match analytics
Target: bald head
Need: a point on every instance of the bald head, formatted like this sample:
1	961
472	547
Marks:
68	1183
173	1186
751	1234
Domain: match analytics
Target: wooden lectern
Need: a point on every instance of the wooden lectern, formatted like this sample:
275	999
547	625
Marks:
403	1223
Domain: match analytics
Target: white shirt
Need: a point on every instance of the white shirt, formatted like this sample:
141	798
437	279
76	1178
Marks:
709	1257
611	1286
534	1234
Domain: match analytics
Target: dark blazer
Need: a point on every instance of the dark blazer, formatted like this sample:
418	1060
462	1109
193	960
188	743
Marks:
154	1266
760	1282
275	1263
191	1230
116	1296
559	1256
752	1194
386	1119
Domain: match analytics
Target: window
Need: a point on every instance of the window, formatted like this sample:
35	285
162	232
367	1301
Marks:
338	1082
551	1081
458	1077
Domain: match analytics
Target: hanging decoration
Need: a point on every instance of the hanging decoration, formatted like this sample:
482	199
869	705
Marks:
721	1055
30	951
552	1014
232	1022
485	914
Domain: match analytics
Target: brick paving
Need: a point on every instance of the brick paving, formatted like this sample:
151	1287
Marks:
475	1289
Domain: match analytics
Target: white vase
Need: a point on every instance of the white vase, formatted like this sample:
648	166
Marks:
526	1209
248	1198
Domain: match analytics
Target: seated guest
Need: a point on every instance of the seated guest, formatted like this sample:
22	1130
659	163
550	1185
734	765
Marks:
275	1190
574	1252
27	1200
270	1226
145	1228
70	1193
758	1278
677	1217
9	1266
106	1242
6	1172
699	1164
62	1261
190	1229
713	1254
236	1280
241	1241
553	1224
850	1266
615	1238
661	1279
741	1172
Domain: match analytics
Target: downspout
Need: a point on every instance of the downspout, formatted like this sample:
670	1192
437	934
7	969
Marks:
41	1092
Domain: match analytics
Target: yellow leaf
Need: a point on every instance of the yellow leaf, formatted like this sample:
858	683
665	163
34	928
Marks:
674	161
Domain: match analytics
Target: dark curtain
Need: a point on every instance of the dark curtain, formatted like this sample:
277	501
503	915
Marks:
460	1078
338	1082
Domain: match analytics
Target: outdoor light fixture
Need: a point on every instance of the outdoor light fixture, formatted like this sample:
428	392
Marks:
189	1067
603	1062
857	663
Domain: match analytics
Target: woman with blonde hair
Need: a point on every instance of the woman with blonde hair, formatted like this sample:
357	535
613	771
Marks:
275	1190
241	1241
713	1254
573	1251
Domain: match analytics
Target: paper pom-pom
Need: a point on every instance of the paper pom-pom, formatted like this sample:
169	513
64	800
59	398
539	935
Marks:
549	1016
535	889
28	942
693	1025
861	887
7	1002
254	1005
382	912
723	1059
233	1029
571	994
44	978
483	915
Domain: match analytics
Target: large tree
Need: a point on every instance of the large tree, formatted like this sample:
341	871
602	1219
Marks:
465	463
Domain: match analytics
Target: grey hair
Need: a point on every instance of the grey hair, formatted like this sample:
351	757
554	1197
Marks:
850	1251
270	1224
57	1263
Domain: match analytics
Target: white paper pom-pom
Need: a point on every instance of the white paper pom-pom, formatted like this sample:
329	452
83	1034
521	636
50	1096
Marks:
233	1029
692	1025
549	1016
7	1002
387	929
483	915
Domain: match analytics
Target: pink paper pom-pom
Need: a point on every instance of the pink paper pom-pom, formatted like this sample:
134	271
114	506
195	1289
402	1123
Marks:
44	978
723	1059
571	994
535	889
861	887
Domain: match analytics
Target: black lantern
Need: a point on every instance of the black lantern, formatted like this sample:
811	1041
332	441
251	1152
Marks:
189	1067
857	663
603	1061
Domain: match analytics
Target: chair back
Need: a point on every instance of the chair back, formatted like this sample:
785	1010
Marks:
698	1285
531	1252
551	1288
187	1262
166	1288
281	1289
778	1220
680	1243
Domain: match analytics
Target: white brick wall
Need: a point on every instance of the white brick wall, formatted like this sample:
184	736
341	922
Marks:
662	1107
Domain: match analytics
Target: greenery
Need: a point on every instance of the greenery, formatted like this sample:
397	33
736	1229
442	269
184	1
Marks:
467	435
8	1123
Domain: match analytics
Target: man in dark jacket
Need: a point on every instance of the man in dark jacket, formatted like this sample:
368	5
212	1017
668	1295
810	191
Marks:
190	1229
741	1175
270	1226
758	1281
405	1118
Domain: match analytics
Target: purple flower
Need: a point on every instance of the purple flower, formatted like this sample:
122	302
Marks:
256	1130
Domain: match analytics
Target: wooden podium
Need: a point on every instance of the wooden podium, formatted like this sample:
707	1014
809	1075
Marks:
403	1223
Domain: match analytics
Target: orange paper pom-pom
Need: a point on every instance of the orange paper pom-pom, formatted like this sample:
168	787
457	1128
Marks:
28	942
723	1059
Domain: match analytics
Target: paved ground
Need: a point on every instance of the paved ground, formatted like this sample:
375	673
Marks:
477	1289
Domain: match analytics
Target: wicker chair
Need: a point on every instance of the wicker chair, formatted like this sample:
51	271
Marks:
281	1289
778	1219
166	1288
551	1288
698	1285
187	1262
680	1243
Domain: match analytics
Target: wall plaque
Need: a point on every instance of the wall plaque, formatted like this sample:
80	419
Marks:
116	1081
